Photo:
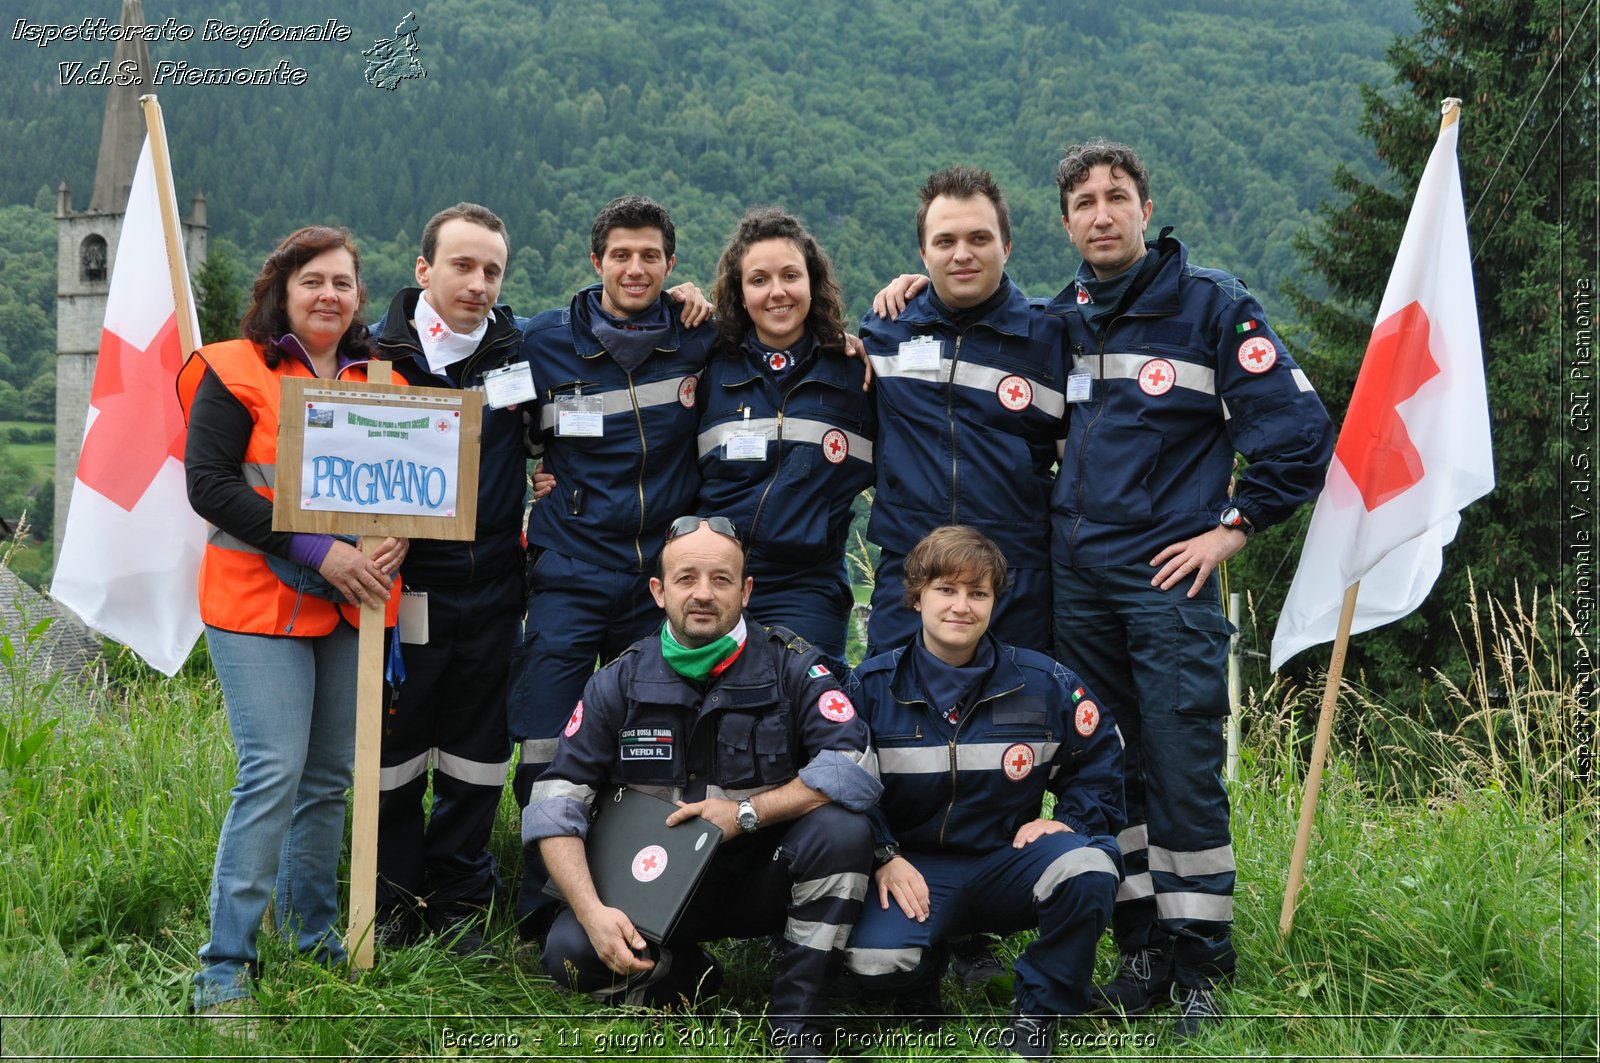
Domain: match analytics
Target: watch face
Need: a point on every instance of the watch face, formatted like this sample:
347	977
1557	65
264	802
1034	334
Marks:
1232	517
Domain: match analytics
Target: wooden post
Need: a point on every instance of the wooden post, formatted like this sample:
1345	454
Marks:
167	197
369	741
1319	754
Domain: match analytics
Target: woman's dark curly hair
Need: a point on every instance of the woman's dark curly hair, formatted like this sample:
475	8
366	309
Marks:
825	322
268	315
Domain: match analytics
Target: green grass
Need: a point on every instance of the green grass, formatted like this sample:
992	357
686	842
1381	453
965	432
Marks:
1459	923
39	457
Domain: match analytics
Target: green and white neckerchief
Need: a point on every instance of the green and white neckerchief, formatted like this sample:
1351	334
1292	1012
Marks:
712	659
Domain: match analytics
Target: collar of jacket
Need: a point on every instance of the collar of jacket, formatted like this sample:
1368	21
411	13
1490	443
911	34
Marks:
1159	298
748	682
1011	317
1004	675
397	337
583	337
831	366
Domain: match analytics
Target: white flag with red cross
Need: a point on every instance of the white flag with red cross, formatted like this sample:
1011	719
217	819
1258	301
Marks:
130	554
1414	449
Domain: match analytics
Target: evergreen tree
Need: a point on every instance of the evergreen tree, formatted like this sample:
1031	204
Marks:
1526	154
219	298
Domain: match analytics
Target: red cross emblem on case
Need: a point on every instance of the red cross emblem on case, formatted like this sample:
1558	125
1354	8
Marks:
1157	376
649	863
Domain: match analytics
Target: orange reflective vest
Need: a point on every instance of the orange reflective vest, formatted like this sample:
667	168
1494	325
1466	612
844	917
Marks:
238	591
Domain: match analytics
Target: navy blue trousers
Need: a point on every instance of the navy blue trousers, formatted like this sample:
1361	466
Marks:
1158	661
1062	883
449	715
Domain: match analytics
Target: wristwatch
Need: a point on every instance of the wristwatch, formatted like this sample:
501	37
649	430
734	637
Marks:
748	820
1233	518
883	854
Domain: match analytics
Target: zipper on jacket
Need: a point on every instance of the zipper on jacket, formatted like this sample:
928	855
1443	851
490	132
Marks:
1083	449
950	417
777	467
644	454
954	743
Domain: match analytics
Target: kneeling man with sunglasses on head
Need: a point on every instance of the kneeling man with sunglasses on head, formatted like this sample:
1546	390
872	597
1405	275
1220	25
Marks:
761	742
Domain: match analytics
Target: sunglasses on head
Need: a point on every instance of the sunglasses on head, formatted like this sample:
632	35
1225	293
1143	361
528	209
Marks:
720	525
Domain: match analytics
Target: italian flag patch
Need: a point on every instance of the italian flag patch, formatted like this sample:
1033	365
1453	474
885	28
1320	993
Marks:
1247	326
817	671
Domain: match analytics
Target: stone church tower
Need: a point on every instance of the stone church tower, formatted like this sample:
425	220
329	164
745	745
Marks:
86	249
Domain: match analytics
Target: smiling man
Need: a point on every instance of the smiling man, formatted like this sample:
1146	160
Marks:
968	386
1173	369
758	740
449	712
619	371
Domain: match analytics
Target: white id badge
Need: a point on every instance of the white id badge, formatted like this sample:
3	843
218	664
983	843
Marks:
1080	385
920	354
413	618
580	415
509	385
744	446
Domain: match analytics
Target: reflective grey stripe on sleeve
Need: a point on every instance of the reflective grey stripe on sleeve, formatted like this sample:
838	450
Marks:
539	750
1206	907
215	536
824	937
847	777
546	789
1083	861
397	775
800	429
476	772
1301	380
881	961
1124	366
1216	861
257	474
618	400
1133	839
988	378
1136	887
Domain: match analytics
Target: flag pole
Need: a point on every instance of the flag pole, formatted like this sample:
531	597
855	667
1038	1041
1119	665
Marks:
167	197
1450	112
1319	755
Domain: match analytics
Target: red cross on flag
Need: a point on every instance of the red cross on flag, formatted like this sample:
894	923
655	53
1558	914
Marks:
1414	449
129	564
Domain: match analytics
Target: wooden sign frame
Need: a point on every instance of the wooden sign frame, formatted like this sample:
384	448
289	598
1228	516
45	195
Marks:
287	514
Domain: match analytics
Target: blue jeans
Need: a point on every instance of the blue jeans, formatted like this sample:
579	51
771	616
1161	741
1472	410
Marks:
291	706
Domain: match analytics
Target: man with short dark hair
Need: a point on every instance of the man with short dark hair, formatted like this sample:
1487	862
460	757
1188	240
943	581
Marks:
1172	369
619	375
968	392
449	711
758	740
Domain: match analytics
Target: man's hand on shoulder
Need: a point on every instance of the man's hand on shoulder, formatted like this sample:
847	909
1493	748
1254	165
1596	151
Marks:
897	293
696	308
